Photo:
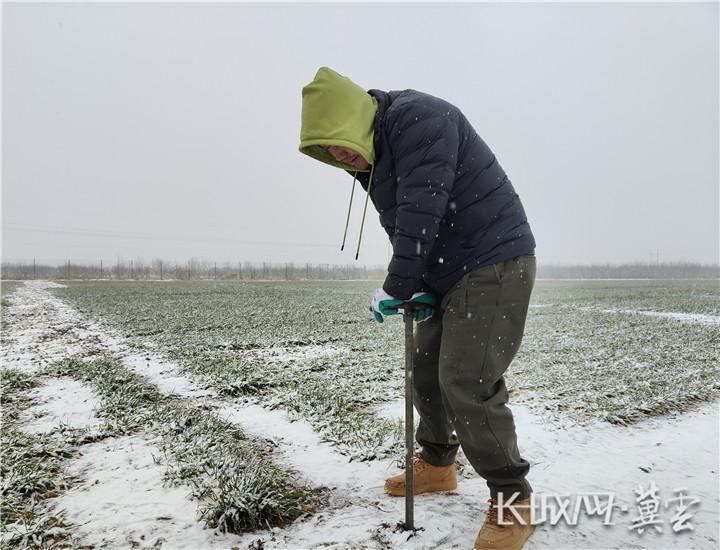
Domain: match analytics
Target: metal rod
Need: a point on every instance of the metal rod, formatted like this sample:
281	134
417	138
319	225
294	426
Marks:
409	424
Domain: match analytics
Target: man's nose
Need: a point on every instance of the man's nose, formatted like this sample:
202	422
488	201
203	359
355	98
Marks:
340	155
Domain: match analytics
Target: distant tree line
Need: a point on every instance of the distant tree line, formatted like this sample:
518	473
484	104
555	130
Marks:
202	269
194	269
665	270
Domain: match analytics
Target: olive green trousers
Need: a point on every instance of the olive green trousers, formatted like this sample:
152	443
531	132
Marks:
461	354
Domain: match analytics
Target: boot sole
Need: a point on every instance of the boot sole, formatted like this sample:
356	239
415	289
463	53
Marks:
436	488
517	546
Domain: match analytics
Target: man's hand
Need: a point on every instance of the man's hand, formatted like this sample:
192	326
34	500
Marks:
427	298
384	304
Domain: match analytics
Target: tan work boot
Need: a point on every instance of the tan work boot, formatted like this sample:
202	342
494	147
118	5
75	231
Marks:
426	478
493	536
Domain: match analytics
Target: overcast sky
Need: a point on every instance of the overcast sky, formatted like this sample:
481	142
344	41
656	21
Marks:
171	130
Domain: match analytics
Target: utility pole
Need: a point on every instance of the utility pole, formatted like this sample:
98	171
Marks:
161	273
132	269
101	274
215	271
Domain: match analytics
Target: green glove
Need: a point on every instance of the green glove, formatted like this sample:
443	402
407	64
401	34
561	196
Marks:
384	304
425	313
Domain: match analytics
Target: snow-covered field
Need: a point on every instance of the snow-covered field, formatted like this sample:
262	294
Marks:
120	499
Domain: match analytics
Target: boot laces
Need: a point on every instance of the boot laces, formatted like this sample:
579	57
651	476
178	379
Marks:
419	463
492	515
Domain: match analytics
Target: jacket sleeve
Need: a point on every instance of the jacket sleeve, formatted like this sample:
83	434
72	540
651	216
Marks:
424	146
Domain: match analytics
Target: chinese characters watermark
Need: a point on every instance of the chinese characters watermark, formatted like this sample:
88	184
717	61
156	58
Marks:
557	508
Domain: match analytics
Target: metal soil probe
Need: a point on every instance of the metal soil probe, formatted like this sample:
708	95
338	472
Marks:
408	311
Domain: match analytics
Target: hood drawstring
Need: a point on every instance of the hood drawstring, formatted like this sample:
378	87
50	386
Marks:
362	222
357	252
347	221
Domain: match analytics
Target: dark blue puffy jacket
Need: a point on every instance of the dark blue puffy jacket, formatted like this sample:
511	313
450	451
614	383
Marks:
444	200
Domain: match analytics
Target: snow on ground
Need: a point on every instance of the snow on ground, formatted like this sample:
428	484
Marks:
699	318
38	328
358	505
61	401
162	374
675	451
38	331
393	410
678	451
121	501
124	504
692	318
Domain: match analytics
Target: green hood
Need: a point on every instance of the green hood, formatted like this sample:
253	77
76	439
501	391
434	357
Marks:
336	111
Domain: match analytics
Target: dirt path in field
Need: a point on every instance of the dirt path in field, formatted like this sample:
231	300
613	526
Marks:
674	452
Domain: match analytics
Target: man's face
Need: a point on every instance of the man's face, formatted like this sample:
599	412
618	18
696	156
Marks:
347	155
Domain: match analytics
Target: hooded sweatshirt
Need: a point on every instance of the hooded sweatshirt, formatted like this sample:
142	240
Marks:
336	111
